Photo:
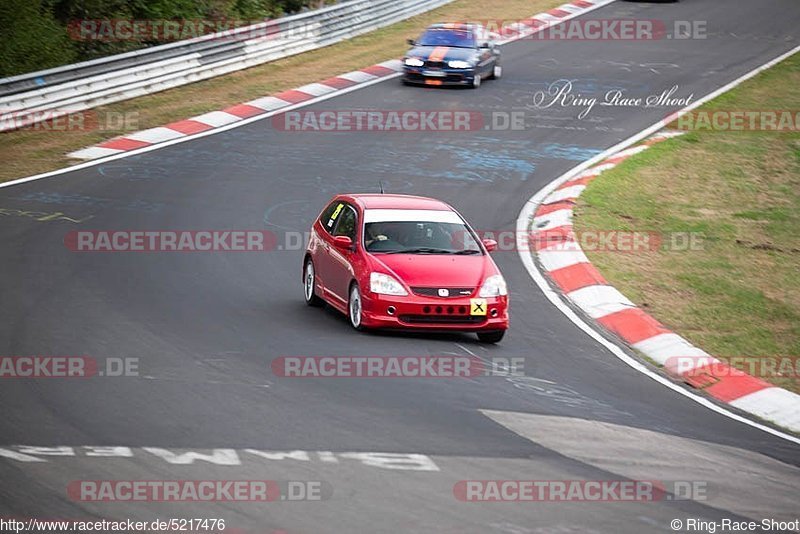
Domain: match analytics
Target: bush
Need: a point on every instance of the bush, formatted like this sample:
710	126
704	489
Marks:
32	38
35	32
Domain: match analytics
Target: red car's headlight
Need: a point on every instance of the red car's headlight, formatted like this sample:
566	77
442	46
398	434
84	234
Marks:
494	286
385	284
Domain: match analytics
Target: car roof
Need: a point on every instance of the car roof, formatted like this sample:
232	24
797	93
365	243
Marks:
392	201
454	26
477	29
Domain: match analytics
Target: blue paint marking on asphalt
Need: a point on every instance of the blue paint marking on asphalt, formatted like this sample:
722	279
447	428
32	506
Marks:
568	152
470	158
487	159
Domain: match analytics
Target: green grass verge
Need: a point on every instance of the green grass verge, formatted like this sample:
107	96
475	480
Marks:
739	296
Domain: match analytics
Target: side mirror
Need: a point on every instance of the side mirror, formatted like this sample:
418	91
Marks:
412	42
485	45
490	244
342	242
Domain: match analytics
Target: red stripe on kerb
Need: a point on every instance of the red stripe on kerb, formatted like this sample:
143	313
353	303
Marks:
578	181
616	160
293	96
559	238
568	199
560	13
124	143
544	209
189	126
577	277
633	325
582	3
338	83
652	141
244	110
378	70
533	22
731	383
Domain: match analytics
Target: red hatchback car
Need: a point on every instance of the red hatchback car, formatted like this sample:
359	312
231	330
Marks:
407	262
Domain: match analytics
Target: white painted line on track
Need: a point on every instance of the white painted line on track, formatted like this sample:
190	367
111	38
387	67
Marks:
220	457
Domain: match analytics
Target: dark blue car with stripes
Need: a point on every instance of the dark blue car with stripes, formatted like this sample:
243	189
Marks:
452	54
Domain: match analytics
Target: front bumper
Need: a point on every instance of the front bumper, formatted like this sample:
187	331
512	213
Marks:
413	312
444	76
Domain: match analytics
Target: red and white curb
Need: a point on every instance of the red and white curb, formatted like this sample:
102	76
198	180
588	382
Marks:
576	278
216	119
308	93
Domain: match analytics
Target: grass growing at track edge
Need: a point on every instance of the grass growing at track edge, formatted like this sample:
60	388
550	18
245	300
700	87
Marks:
31	152
739	296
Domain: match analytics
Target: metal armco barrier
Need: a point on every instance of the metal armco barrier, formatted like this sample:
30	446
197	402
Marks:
30	98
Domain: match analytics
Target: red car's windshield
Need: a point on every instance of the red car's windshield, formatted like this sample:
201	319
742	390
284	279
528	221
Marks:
419	237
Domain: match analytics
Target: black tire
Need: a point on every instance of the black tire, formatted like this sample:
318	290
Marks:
491	337
309	285
355	315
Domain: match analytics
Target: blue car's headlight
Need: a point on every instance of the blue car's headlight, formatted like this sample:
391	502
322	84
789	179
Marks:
458	64
414	62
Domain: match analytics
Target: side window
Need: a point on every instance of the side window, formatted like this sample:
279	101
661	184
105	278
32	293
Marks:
347	223
330	215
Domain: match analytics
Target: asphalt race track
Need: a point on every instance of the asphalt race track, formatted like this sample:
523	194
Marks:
205	327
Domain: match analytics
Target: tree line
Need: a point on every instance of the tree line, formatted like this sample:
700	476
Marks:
39	34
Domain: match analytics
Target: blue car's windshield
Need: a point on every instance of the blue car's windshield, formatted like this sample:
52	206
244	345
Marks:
447	37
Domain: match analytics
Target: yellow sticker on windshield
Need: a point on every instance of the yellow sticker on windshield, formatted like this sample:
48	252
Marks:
477	306
335	215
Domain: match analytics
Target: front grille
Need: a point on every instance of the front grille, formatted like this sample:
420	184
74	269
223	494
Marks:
442	319
435	64
455	292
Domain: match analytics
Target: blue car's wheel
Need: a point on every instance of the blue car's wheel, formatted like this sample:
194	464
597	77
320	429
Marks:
476	81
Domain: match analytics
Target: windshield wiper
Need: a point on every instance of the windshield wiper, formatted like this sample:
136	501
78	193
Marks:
448	46
419	250
467	252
